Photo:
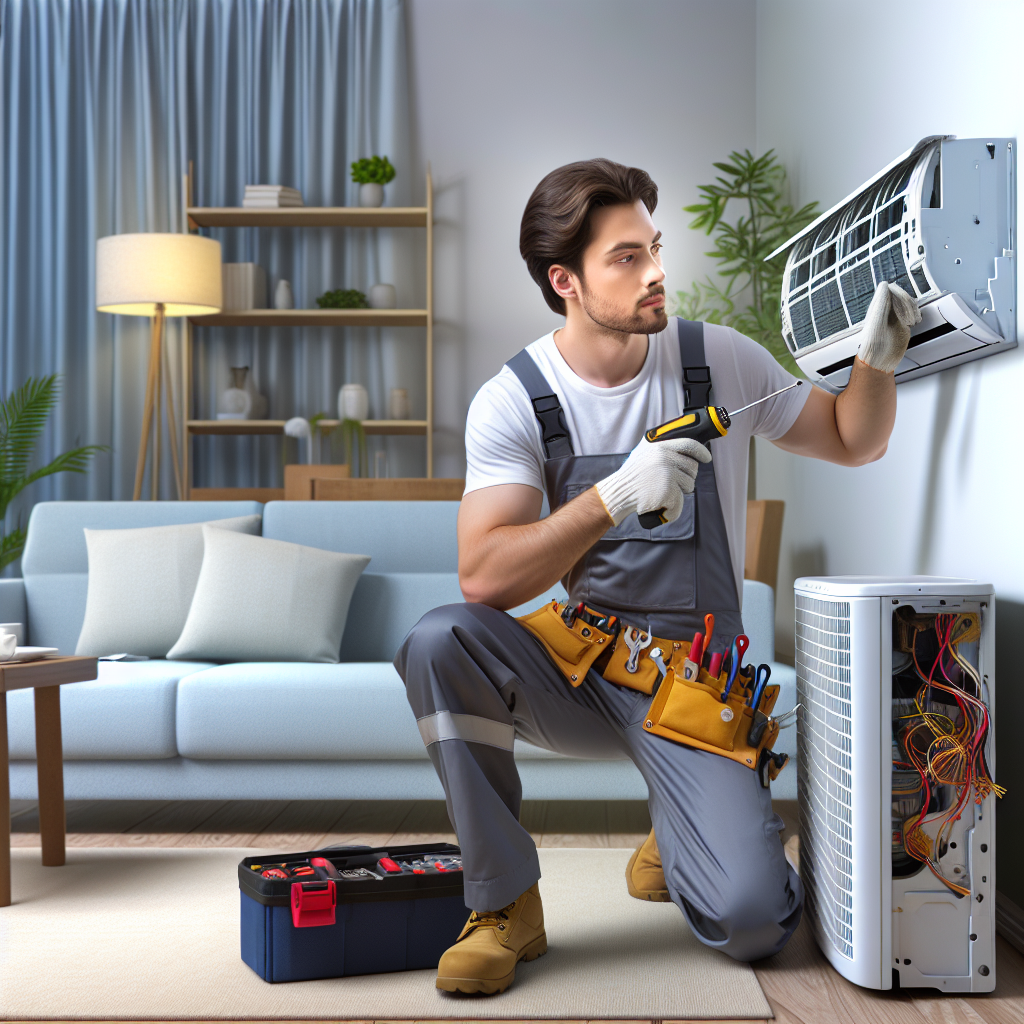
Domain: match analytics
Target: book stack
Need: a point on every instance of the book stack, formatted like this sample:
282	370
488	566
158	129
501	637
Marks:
271	196
245	286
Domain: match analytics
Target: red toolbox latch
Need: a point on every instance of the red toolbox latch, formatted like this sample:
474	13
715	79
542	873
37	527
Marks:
313	903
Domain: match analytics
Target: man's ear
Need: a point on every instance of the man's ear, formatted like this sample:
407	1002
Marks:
563	281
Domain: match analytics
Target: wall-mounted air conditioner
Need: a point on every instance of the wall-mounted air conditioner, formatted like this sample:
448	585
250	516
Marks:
938	221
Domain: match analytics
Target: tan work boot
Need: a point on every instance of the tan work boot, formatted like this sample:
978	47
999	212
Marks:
645	879
484	957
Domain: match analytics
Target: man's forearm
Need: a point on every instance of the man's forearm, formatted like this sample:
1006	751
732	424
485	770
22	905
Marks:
516	563
866	413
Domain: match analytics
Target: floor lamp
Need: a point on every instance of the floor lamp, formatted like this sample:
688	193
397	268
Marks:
158	275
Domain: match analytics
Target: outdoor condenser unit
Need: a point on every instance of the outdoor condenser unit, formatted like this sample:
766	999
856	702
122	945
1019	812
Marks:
939	222
882	917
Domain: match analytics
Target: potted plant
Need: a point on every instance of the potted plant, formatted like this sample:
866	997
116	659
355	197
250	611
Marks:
371	174
23	416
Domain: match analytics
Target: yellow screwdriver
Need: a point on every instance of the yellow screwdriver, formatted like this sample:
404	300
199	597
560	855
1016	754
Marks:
702	425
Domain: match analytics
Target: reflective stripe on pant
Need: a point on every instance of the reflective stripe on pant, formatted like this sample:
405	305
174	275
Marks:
475	677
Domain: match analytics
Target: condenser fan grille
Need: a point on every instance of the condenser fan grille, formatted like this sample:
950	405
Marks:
824	743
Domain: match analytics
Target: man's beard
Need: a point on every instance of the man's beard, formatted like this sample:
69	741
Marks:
612	320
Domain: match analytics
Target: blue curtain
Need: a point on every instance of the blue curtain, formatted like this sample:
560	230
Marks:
104	103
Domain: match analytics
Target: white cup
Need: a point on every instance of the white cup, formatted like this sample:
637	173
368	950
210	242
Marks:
17	628
8	645
383	296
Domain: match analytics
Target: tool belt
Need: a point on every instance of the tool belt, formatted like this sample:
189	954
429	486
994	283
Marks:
687	711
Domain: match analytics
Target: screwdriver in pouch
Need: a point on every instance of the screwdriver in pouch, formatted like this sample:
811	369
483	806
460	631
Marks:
701	425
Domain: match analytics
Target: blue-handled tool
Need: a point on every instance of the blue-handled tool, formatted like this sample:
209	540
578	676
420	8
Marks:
761	677
739	647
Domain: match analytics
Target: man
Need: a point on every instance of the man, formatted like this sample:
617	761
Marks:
566	419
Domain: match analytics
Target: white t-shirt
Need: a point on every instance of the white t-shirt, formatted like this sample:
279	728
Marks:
503	438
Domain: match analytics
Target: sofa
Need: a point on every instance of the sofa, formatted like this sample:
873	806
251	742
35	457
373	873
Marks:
180	730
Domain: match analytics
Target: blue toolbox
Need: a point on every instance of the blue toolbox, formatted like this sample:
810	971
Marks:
350	910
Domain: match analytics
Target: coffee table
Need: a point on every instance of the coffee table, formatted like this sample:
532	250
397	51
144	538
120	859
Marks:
46	677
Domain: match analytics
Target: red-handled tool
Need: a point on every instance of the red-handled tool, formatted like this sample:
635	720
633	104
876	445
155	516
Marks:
715	665
691	667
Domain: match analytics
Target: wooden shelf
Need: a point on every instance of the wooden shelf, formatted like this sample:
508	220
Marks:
316	318
308	217
247	427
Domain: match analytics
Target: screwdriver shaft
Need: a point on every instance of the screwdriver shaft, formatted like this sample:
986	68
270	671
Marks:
788	387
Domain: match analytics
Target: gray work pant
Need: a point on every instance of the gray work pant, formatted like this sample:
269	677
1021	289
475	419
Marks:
476	679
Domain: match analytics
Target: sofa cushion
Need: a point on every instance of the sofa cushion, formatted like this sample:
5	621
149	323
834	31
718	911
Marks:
269	600
56	565
125	714
280	711
141	583
400	536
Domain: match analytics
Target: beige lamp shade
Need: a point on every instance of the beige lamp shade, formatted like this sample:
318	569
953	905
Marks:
135	272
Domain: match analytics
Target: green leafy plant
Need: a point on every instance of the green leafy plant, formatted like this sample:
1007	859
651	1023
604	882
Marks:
23	416
352	436
374	170
745	291
343	298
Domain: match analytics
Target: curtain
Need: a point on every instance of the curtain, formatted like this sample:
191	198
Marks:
104	104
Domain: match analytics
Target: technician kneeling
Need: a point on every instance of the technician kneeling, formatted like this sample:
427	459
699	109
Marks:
566	418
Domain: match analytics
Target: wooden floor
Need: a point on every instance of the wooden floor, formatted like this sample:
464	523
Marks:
800	984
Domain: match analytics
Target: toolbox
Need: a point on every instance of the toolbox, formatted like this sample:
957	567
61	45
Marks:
350	910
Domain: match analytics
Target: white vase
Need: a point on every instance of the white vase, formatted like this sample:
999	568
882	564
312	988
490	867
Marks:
398	404
283	297
236	401
371	193
353	403
383	296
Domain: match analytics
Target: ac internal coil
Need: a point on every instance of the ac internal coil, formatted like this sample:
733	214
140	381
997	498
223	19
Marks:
939	221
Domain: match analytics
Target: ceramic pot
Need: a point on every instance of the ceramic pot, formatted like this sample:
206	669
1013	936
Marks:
398	404
236	402
383	296
353	403
371	194
283	297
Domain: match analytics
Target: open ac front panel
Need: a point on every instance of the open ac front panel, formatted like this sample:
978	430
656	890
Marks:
940	222
880	919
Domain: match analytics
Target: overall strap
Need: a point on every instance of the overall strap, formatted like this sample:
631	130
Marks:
696	372
546	407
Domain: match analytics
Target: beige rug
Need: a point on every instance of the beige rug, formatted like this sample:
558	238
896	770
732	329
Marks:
151	933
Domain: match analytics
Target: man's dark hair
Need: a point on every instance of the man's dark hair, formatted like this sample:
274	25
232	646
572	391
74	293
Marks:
556	221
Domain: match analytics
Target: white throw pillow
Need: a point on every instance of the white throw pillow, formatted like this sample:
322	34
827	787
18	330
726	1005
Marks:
141	584
268	600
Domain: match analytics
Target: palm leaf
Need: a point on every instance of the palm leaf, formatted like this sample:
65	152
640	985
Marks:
11	546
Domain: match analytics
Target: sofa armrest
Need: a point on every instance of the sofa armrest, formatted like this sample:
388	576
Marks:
12	601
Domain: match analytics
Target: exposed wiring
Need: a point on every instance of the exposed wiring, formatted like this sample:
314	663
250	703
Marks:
944	750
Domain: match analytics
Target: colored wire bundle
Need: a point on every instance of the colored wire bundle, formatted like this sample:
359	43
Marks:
944	750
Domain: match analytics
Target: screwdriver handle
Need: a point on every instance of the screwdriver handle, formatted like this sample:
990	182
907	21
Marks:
701	425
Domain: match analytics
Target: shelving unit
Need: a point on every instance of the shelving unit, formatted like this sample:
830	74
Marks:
310	217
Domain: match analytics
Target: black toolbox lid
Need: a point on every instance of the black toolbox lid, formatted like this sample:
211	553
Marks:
276	892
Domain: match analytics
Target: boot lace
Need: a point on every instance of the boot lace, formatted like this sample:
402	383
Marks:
490	918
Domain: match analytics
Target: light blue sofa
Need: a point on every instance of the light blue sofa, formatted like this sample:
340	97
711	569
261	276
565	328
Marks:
191	730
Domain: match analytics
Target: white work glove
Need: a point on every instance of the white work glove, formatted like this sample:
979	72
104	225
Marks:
887	326
656	475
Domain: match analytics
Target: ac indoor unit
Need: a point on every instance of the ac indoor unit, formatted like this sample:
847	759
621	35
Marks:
896	678
939	222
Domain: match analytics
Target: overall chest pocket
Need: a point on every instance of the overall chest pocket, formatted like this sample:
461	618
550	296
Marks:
630	528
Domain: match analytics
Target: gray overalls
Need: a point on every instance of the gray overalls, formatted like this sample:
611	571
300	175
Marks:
476	679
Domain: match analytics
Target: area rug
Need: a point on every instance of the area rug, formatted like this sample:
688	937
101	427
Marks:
121	934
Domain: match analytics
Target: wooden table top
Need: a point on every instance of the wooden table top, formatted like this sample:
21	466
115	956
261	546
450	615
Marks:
53	671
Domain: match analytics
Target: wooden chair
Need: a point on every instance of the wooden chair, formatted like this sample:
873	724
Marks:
298	479
764	539
398	489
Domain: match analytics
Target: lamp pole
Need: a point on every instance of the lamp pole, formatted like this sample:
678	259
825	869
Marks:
156	336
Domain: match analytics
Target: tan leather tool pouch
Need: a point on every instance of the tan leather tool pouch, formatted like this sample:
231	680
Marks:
572	648
691	712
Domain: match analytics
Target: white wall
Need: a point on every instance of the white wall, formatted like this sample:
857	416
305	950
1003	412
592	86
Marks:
842	89
504	92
